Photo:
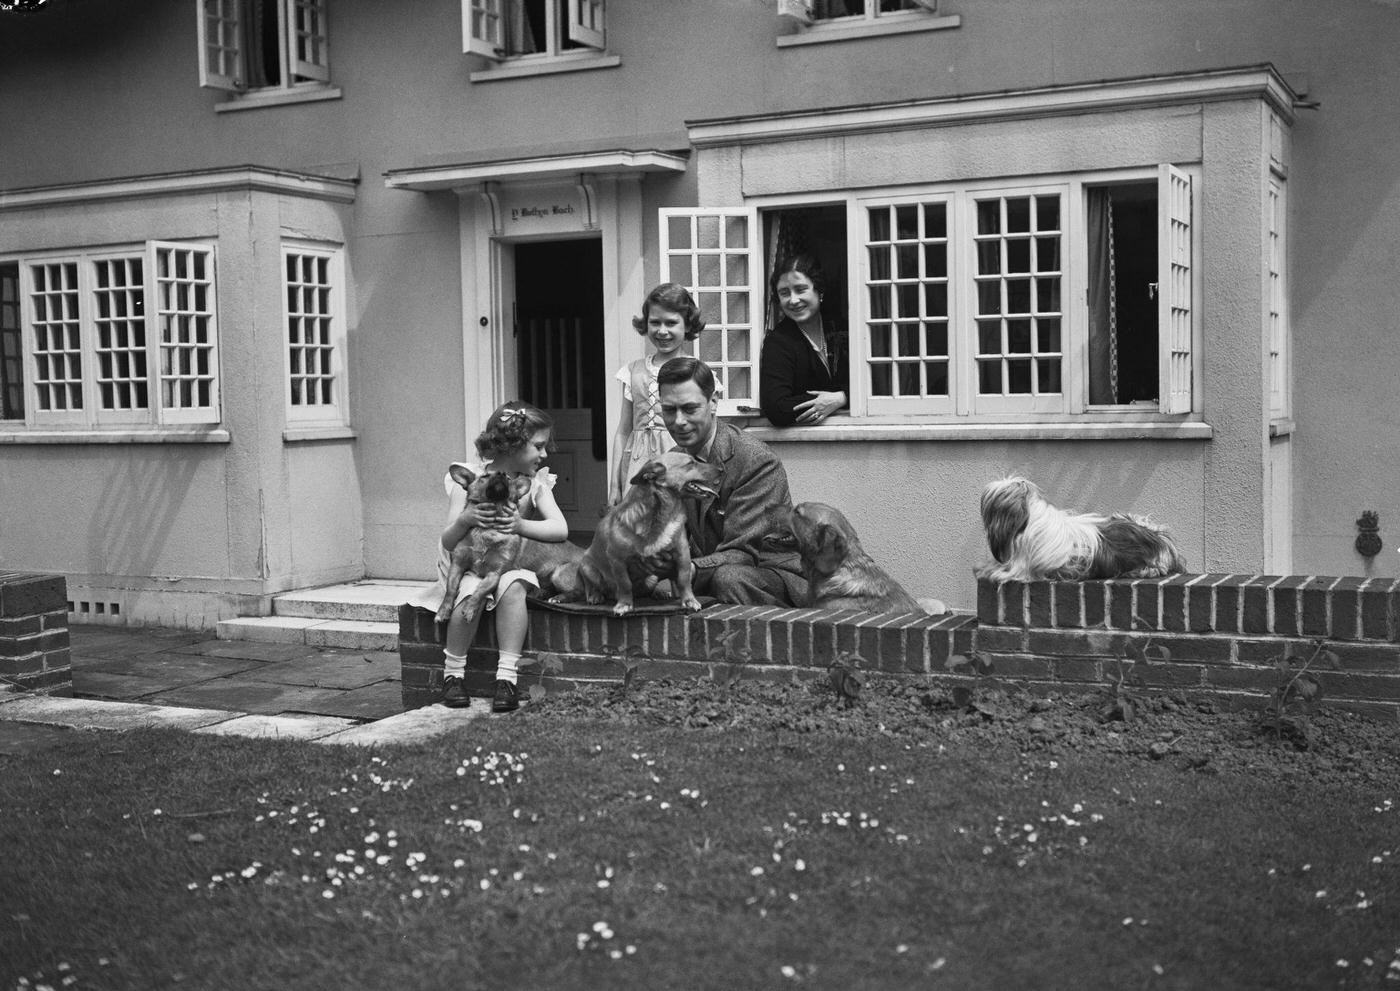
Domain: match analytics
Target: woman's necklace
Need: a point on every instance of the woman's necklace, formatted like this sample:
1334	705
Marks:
819	344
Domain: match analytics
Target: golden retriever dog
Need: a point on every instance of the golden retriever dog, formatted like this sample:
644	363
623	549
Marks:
643	538
840	574
483	551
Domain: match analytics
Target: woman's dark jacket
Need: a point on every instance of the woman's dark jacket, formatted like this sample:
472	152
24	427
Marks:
790	366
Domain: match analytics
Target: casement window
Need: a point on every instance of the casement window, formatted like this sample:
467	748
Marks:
314	317
263	45
992	301
110	338
811	11
511	29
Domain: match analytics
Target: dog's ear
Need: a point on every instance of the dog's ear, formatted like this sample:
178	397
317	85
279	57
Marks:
651	472
462	475
829	544
1005	514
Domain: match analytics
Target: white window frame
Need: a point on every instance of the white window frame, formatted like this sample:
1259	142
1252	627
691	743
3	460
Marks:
194	306
723	325
332	412
1179	330
485	23
303	49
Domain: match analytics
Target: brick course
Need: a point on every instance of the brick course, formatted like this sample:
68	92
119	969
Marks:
1216	634
34	651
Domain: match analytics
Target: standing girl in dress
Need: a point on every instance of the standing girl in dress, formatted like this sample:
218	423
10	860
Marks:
516	440
669	319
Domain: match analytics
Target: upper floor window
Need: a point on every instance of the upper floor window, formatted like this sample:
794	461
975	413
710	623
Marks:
550	29
1042	299
827	10
264	46
818	21
110	337
313	281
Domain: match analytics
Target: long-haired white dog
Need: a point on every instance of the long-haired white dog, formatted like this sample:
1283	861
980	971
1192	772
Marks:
1034	541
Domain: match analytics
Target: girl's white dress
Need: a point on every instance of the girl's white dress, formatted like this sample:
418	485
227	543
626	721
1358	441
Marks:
650	439
431	597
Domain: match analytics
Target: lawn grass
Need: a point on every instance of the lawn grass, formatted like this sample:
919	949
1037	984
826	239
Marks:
575	853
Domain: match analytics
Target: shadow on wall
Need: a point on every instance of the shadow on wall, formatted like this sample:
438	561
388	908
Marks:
147	503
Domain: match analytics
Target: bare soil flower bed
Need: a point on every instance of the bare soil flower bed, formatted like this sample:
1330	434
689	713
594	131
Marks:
1195	735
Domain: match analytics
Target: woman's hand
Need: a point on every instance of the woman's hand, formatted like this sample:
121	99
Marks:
820	406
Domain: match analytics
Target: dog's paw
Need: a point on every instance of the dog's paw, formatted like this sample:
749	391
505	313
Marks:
691	603
622	608
444	614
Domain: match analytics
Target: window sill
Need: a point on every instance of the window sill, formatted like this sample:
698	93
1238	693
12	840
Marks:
256	99
212	435
818	34
848	430
299	435
544	66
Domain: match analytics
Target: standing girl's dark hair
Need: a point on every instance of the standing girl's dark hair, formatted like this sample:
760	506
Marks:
510	427
676	298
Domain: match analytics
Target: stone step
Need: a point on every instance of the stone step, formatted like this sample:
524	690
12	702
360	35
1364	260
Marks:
371	600
352	634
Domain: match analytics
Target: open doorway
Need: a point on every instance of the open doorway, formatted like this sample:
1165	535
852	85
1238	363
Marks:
559	358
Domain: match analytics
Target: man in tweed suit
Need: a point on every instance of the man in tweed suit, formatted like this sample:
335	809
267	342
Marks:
726	533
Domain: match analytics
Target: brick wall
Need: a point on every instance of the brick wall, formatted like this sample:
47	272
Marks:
1218	633
34	653
1214	634
779	644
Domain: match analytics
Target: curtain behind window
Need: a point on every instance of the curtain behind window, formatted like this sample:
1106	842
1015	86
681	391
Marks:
1103	301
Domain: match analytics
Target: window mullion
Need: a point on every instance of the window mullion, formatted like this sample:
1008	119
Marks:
857	293
964	369
1074	306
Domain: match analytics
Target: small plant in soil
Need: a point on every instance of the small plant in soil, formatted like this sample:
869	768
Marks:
629	658
1296	697
549	664
727	662
1122	695
975	697
846	678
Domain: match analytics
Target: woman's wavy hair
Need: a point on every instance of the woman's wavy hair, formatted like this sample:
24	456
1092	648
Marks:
676	298
510	427
805	264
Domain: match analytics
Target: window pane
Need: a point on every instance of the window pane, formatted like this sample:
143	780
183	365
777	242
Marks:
707	233
1018	215
738	383
1018	336
907	258
935	220
989	337
1018	376
1047	254
1047	295
1047	336
736	232
988	298
936	261
936	378
678	269
709	303
936	339
1018	295
880	302
738	306
879	224
738	345
906	220
989	217
988	257
710	348
707	270
1047	213
881	380
880	341
879	263
1047	376
1018	254
907	340
908	300
936	299
678	232
989	378
736	270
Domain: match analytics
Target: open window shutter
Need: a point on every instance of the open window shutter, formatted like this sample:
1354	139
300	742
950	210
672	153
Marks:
307	51
929	5
799	11
220	44
713	253
483	27
1174	296
586	22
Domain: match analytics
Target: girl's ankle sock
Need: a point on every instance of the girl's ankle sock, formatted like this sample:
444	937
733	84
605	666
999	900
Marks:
507	666
453	666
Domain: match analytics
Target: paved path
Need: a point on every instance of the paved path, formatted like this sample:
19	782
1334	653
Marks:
126	678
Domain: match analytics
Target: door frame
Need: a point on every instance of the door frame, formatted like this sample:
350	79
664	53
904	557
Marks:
612	212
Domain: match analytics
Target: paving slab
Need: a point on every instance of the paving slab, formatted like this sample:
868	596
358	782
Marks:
326	669
96	714
160	664
112	641
286	727
122	687
378	701
253	650
414	726
19	739
239	695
